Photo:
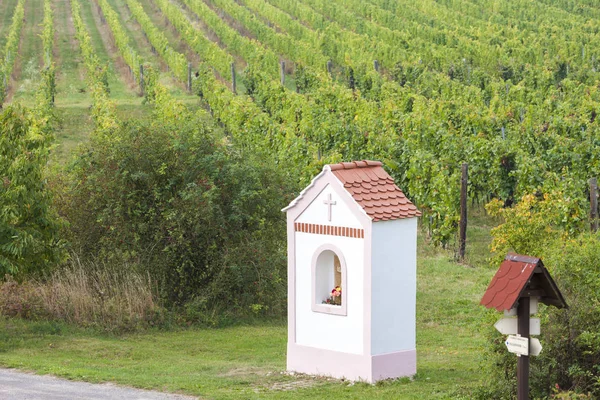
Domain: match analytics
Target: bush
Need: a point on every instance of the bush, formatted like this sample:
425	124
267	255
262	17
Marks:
177	202
28	227
550	226
573	335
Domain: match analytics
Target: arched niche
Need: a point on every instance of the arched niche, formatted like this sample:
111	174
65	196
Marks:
328	272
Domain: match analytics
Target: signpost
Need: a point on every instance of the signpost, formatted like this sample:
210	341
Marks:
518	345
523	361
535	347
509	326
520	283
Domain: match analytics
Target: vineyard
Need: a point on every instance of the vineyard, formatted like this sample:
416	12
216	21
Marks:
511	89
163	137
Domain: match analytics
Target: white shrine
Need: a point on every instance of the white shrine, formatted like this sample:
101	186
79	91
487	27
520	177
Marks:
352	241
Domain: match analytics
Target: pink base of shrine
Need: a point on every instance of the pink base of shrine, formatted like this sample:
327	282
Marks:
354	367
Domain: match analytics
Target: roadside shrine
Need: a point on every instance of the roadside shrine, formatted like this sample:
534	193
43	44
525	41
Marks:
352	240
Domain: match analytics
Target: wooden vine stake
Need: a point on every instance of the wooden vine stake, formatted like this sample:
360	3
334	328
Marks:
233	88
329	67
376	65
189	77
463	211
593	204
282	72
141	79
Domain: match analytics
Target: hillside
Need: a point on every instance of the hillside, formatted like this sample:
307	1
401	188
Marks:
509	88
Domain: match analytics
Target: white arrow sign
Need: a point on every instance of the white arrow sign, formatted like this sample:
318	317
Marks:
518	345
535	347
509	326
533	308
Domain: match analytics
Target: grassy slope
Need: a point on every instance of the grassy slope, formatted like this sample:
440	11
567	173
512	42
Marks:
247	361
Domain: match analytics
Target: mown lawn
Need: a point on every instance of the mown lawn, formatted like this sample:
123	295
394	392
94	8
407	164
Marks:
248	362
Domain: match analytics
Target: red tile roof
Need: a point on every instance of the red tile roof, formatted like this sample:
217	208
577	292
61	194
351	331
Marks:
516	276
511	278
374	190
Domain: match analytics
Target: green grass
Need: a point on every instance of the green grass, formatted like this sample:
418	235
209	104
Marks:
247	362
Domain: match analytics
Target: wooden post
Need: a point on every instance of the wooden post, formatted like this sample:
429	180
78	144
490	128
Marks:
233	88
189	82
282	72
141	79
594	204
376	65
463	211
329	67
523	361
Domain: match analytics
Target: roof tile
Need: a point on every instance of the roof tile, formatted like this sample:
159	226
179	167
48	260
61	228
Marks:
508	283
374	190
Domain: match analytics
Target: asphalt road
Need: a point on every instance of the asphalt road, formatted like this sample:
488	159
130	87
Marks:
15	385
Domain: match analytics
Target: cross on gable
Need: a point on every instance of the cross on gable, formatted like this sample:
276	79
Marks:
329	203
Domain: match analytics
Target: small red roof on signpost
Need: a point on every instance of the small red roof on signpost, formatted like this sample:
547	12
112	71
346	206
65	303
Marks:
521	276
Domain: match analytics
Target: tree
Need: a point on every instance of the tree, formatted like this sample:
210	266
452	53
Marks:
29	228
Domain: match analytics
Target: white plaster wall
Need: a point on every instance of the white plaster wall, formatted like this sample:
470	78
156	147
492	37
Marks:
327	331
341	215
394	286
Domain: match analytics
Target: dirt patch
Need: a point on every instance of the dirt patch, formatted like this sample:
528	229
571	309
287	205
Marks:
293	385
287	381
244	371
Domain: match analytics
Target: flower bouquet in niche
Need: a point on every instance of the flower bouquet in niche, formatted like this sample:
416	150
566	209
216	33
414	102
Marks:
336	297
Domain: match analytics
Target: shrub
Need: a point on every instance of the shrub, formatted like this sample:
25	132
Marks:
572	335
28	227
550	225
176	201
